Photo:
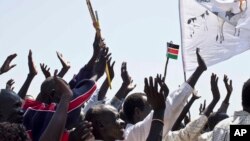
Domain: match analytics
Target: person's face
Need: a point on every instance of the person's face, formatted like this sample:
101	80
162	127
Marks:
11	110
113	125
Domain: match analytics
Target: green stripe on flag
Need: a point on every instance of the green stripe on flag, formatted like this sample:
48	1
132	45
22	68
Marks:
172	56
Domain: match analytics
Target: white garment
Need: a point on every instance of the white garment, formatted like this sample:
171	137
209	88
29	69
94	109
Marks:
92	102
190	132
174	104
221	131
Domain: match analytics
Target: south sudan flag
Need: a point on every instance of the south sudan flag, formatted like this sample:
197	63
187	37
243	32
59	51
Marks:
172	50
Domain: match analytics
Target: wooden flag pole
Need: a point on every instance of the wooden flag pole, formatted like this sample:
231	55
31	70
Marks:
95	20
165	71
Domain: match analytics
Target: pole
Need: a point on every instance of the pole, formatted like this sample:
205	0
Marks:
165	71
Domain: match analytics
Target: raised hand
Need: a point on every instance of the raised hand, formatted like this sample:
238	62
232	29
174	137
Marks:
192	80
65	64
229	85
45	70
155	97
127	80
214	87
32	73
200	60
111	68
32	68
9	84
82	132
6	65
202	107
100	64
164	87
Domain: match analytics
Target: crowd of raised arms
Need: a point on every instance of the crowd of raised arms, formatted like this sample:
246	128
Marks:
77	110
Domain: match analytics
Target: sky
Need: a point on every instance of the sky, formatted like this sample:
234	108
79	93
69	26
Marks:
135	32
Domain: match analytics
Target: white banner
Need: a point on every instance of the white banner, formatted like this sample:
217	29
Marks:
220	28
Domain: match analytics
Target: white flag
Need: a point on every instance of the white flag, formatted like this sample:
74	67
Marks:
220	28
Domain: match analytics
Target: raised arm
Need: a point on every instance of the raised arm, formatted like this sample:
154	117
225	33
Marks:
56	126
65	65
6	65
96	50
174	105
224	105
184	112
126	87
193	129
45	70
100	64
105	85
216	95
32	73
86	72
156	99
199	70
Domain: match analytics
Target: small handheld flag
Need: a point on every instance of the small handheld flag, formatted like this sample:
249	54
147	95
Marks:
172	50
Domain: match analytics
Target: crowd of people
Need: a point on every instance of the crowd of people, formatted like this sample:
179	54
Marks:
77	110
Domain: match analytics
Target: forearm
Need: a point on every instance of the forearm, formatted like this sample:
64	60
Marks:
210	107
63	72
183	114
223	108
226	100
174	105
156	129
195	76
56	125
121	93
23	91
92	60
103	90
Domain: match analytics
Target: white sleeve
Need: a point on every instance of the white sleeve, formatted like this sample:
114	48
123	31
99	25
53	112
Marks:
189	133
91	102
140	131
174	105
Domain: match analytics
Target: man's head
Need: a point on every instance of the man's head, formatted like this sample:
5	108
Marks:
47	91
106	122
136	107
10	107
246	95
12	132
215	118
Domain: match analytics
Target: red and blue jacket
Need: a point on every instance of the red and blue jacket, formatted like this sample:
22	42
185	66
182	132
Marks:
38	115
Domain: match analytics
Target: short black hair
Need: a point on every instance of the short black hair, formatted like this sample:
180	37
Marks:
246	94
12	132
131	102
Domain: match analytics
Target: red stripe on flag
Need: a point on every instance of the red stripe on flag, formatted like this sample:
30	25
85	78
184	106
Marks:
173	51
